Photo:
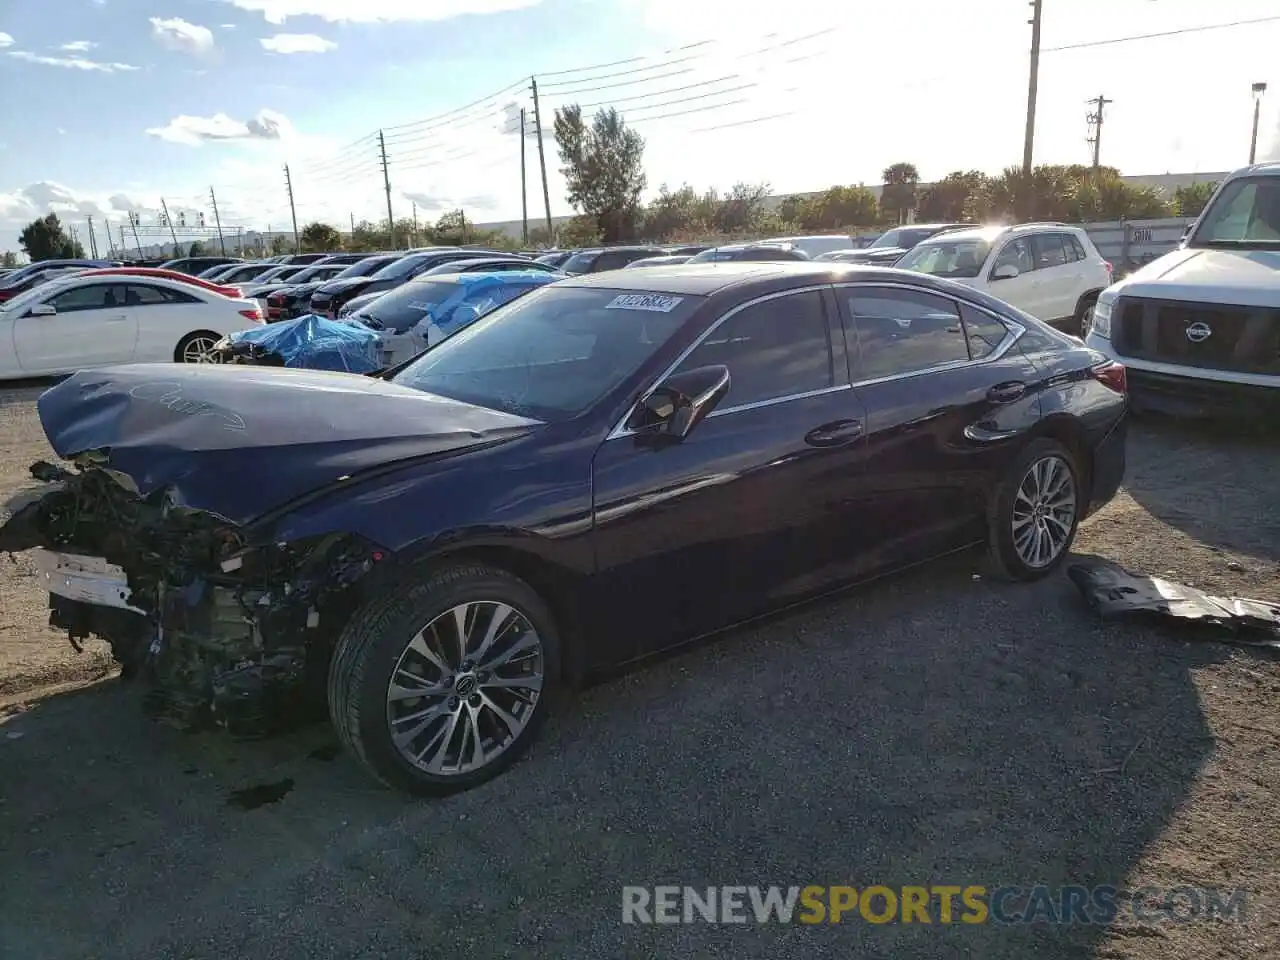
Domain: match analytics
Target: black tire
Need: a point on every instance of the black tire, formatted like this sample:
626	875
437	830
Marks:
1004	561
367	654
181	349
1083	315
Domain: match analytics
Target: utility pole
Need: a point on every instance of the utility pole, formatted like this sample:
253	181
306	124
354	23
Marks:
293	212
222	244
1095	125
93	239
524	184
169	220
542	155
1032	86
133	221
386	182
1258	90
415	224
124	245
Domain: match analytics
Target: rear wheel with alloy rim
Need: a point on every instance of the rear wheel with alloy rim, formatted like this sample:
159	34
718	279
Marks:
198	348
443	686
1035	512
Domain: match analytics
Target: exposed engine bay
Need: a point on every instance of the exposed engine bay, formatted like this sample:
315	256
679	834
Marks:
225	631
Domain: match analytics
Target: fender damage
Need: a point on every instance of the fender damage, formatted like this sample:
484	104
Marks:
169	483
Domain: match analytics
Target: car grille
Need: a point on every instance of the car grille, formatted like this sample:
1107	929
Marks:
1236	339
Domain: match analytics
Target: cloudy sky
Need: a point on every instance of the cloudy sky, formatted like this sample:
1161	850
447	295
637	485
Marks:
112	105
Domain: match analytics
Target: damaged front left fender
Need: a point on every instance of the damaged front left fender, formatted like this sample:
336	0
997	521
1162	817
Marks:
226	628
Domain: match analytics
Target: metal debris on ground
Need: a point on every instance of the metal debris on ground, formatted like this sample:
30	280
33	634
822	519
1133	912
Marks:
1116	593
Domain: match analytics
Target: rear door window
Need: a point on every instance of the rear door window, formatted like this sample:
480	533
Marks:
903	331
1048	250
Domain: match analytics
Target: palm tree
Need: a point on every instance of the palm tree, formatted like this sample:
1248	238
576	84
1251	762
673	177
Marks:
899	194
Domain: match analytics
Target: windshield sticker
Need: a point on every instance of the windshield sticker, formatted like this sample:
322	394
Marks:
652	302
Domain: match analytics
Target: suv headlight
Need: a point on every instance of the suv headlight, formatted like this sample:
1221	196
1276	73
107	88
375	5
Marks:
1100	323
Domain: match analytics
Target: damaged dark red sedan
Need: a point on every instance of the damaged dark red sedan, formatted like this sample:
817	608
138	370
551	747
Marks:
604	468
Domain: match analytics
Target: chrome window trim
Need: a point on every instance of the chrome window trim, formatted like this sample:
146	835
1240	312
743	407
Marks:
1015	332
620	428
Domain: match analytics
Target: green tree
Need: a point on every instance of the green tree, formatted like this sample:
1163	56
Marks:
675	214
367	236
197	249
898	197
451	229
539	238
581	231
834	208
44	239
320	237
946	200
743	209
603	167
8	259
277	245
1190	200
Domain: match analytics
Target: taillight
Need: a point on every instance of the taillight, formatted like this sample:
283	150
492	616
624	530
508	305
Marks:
1110	269
254	314
1112	375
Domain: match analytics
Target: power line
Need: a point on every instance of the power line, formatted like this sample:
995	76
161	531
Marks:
1166	33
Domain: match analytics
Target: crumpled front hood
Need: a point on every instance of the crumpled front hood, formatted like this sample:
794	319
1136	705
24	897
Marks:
1247	278
241	441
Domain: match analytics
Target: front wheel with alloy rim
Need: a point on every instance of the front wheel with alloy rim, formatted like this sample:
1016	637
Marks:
442	686
1035	512
198	348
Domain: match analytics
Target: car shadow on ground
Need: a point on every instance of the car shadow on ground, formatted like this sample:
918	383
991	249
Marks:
1203	480
935	728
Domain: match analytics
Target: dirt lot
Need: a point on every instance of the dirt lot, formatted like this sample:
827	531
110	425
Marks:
936	728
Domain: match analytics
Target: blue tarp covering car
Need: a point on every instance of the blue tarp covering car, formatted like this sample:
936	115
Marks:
311	342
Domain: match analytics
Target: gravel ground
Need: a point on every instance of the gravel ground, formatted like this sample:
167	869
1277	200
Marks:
933	728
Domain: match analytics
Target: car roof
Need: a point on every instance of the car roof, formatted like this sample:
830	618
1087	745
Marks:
475	276
705	279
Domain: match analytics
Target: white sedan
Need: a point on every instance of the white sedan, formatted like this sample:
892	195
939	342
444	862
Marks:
95	321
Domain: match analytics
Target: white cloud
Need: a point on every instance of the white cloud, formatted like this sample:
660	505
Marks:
297	43
61	132
227	26
6	40
375	11
175	33
71	63
46	196
78	46
193	131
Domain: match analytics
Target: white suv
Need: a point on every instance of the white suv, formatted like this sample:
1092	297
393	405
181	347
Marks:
1050	270
1199	329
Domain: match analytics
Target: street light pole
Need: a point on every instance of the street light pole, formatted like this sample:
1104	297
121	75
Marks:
1258	90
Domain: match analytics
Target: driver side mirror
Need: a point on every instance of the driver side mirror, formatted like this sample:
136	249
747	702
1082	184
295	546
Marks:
1006	271
43	310
681	402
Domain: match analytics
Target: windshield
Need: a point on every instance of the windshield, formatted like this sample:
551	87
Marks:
943	258
552	353
35	295
903	237
403	307
707	256
365	267
580	262
1246	214
312	274
398	269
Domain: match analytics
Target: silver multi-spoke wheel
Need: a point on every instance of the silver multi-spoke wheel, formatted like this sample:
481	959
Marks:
199	349
465	687
1044	511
